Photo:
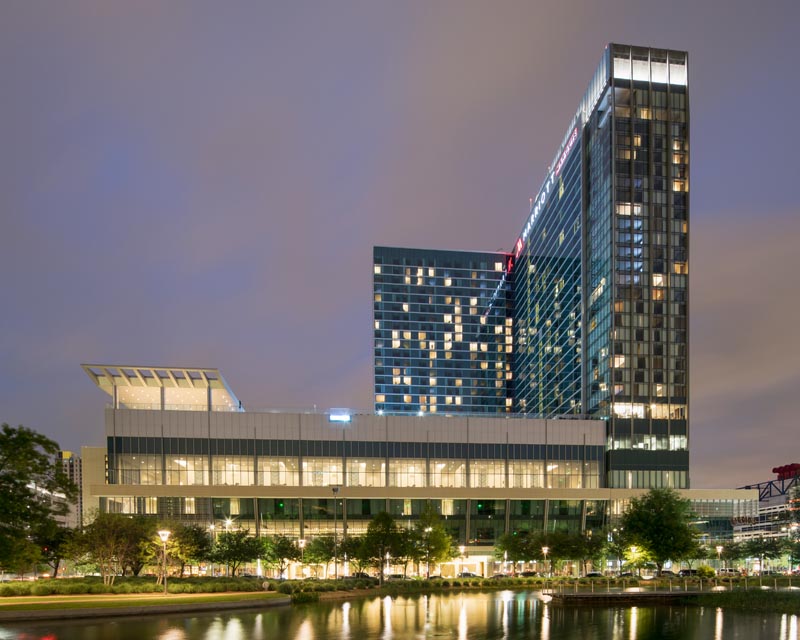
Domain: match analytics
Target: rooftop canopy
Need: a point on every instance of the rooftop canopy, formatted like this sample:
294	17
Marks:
156	388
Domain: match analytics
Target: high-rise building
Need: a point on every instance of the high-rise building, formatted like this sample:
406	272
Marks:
597	283
442	330
72	467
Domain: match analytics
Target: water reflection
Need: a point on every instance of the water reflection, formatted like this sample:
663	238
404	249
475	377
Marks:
467	616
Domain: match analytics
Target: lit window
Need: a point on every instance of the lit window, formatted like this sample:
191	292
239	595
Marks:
405	306
448	282
377	268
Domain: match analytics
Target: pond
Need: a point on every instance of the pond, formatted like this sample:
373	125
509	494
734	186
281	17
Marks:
509	615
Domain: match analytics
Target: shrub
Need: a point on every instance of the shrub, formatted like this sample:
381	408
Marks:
302	597
704	571
456	583
285	587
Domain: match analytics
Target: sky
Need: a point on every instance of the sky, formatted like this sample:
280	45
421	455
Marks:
201	184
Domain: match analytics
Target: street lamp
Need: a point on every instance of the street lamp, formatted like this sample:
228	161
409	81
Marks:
428	551
335	491
302	544
719	548
545	551
387	563
164	535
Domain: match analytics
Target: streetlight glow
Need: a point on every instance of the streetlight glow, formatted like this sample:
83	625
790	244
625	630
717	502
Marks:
164	535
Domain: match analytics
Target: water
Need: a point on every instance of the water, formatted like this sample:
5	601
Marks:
459	616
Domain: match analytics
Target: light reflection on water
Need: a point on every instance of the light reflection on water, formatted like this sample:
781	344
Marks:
505	615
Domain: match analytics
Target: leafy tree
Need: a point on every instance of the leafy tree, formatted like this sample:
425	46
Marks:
280	551
765	548
517	546
382	537
52	540
351	546
233	548
589	548
733	551
22	556
105	541
320	551
430	540
30	477
190	544
658	522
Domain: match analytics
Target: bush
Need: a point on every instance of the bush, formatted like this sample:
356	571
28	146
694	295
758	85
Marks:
286	587
456	583
705	572
302	597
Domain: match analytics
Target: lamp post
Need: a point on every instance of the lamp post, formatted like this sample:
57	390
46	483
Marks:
164	535
719	548
428	552
545	551
387	563
461	548
302	544
335	491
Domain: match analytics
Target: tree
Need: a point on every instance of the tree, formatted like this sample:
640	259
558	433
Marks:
233	548
53	541
190	544
382	537
34	487
280	551
320	551
105	541
430	540
658	522
350	547
765	548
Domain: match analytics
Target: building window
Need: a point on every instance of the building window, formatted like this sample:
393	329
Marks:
366	472
487	473
232	470
138	469
187	470
407	473
278	472
322	472
448	473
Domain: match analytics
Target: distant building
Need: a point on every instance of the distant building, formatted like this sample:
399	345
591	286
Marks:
72	467
777	506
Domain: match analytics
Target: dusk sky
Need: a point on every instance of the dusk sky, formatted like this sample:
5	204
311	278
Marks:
201	184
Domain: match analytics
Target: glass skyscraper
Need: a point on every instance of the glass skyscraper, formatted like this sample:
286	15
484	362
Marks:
442	331
595	289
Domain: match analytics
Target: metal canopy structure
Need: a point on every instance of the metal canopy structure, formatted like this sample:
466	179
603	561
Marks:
175	388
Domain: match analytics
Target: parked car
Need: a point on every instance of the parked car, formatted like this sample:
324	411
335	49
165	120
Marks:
687	573
729	572
361	575
468	574
499	576
594	574
528	574
434	578
393	577
666	573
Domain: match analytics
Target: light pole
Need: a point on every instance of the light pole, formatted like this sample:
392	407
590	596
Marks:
719	548
335	491
461	548
302	544
164	535
545	551
387	563
428	552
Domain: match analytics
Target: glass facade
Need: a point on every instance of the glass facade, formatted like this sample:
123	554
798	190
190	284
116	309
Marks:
442	332
406	464
596	289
